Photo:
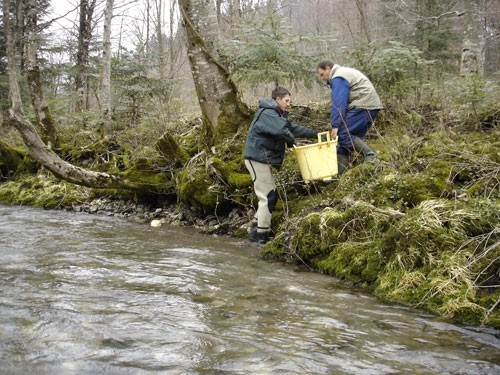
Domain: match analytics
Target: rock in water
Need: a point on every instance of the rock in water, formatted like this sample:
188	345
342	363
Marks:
156	223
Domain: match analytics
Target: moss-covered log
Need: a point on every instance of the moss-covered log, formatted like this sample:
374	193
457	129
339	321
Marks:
169	148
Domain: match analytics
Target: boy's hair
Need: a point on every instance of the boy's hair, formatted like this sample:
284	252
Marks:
279	92
325	64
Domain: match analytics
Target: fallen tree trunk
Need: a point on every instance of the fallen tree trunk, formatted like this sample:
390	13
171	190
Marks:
68	172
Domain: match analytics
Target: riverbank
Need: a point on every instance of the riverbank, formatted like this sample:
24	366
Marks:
419	227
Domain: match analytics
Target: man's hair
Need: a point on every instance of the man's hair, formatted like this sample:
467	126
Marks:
279	92
325	64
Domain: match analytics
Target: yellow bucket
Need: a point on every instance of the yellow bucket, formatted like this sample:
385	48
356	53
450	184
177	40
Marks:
318	161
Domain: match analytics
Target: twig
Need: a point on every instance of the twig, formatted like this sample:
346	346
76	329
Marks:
493	307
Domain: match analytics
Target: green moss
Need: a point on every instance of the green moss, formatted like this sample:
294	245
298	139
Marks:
232	117
169	148
353	261
308	238
197	189
491	316
231	170
239	180
423	233
41	191
11	159
144	171
277	249
414	189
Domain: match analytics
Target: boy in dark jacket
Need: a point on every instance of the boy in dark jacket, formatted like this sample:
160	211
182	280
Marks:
269	132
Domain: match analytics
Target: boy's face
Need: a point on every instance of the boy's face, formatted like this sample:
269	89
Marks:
325	73
283	102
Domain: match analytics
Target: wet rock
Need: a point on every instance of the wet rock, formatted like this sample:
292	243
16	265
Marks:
156	223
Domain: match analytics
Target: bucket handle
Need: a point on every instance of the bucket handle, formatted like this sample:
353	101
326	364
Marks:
320	134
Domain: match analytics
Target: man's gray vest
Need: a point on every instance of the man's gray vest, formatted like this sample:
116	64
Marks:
362	93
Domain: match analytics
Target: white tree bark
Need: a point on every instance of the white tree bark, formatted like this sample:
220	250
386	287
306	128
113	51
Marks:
106	70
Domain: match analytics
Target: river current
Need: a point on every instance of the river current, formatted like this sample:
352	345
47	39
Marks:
90	294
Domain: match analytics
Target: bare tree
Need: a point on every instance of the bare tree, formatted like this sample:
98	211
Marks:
106	70
159	5
87	8
42	112
222	110
361	6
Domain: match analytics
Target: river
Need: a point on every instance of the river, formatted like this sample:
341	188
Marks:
90	294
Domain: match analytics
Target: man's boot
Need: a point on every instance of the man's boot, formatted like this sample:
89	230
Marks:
342	162
360	146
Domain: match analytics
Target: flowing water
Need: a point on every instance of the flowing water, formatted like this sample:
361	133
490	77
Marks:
86	294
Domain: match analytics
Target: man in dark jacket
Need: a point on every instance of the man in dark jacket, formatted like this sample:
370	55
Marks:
269	132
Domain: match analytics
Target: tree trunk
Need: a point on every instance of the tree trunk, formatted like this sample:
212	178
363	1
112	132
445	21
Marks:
35	146
162	63
82	56
474	43
361	5
148	23
12	60
43	116
106	71
223	112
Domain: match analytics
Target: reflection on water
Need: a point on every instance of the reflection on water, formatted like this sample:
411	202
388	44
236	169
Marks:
86	294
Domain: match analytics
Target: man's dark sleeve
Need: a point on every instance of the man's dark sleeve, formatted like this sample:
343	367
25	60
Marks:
340	99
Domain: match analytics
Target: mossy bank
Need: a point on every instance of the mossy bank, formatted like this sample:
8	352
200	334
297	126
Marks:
420	226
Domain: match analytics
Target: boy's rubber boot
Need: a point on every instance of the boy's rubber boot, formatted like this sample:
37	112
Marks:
360	146
262	238
252	237
342	163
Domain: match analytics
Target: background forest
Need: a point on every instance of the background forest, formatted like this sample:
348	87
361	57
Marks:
414	51
161	93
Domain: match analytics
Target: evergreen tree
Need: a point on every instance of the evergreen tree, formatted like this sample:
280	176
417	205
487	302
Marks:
429	25
265	51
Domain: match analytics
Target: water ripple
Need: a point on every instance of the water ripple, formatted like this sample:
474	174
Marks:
86	294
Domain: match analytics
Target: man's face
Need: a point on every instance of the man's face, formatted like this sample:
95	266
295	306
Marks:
284	102
325	73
